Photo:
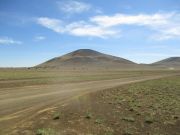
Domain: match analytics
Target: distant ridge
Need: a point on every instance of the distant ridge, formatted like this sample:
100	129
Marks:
87	58
172	62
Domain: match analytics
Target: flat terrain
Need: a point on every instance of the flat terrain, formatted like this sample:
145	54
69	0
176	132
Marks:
145	108
29	98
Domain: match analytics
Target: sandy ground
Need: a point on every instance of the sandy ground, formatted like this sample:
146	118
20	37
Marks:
20	104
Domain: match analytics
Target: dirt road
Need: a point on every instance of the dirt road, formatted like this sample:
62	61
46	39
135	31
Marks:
20	105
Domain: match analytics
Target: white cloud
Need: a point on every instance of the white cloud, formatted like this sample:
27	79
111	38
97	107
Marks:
72	6
164	25
123	19
7	41
80	28
53	24
168	33
86	29
39	38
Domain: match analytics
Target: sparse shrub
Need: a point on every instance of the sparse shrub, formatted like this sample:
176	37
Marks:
109	133
138	113
98	121
56	116
88	115
175	117
45	131
127	133
131	109
149	120
172	122
129	119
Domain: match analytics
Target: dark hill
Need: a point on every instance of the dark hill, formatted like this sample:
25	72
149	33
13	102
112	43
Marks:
87	58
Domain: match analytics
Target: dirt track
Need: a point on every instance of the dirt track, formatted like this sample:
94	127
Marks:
20	105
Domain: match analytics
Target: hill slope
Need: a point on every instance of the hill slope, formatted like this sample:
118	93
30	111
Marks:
87	58
172	62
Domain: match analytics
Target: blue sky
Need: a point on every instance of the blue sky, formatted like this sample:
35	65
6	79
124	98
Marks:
33	31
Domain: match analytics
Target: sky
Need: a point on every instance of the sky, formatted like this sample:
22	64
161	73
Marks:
33	31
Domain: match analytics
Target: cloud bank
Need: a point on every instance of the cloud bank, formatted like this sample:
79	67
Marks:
164	25
80	28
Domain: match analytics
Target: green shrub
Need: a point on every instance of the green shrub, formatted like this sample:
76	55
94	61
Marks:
45	131
56	116
149	119
88	115
129	119
98	121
